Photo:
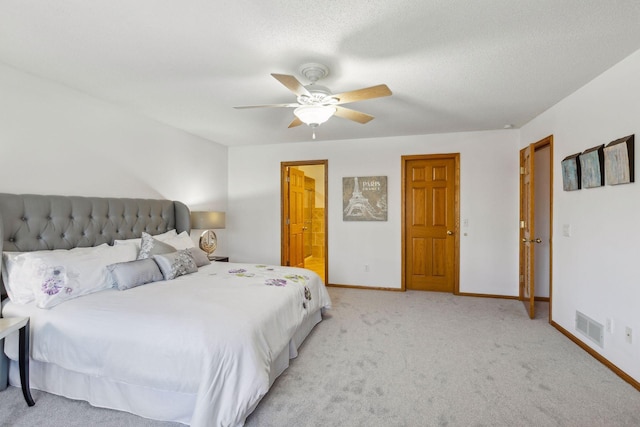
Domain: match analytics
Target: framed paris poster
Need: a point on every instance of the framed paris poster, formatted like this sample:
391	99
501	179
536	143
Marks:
364	198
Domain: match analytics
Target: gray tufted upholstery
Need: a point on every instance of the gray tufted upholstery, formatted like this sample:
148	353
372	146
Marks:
35	222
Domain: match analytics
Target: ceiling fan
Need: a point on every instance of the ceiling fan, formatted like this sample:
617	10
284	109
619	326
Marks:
316	104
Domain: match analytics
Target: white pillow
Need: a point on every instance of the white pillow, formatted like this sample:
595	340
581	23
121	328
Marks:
16	277
180	241
162	237
58	276
17	288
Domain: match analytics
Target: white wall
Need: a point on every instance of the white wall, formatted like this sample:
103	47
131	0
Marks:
488	253
597	270
55	140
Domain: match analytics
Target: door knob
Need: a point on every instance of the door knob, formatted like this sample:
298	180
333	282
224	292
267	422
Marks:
538	240
449	232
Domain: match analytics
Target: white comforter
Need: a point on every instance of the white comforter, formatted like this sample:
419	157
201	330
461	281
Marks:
213	334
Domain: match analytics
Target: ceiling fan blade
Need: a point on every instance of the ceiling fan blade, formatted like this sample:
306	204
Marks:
295	104
295	122
362	94
356	116
292	84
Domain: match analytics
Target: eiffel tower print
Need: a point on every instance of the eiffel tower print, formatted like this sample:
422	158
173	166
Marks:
360	207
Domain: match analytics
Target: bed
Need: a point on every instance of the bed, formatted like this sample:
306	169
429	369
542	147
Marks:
197	346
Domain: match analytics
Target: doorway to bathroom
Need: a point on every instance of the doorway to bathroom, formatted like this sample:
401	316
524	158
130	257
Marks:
304	215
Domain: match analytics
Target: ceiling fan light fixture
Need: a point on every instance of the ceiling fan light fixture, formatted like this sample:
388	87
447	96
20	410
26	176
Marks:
316	103
314	115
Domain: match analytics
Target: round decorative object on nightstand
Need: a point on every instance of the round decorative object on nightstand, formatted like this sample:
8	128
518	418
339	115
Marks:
208	242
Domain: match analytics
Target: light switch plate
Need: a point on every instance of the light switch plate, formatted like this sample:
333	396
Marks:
566	230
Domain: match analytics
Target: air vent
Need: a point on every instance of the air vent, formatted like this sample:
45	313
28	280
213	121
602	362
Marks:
590	328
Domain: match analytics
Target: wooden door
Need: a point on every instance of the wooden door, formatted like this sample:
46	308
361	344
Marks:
527	230
309	206
430	218
292	218
296	218
536	243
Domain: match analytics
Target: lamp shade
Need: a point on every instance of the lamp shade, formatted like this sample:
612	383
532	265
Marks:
314	115
206	220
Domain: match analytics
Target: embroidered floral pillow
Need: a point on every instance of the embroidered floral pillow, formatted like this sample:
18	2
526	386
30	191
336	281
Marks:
59	276
176	264
18	275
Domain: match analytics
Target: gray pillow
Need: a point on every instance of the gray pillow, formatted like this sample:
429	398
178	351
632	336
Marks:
176	264
130	274
150	246
199	256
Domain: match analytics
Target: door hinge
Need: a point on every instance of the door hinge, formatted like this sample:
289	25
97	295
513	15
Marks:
288	180
522	224
522	278
522	170
288	221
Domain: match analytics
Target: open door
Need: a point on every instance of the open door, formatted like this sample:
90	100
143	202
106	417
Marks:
304	215
535	239
527	229
309	205
296	217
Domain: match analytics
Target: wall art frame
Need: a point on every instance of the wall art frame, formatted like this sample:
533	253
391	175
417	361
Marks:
571	178
619	161
592	167
364	198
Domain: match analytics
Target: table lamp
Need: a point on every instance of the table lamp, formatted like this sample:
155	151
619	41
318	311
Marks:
207	221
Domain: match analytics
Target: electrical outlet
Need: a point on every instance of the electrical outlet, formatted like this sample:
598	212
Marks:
609	325
628	335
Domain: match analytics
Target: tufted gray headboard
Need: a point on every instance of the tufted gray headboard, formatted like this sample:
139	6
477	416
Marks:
31	222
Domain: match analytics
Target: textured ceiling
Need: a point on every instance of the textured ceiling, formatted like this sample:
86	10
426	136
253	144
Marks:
452	65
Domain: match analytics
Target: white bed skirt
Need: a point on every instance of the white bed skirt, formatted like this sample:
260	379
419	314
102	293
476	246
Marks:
146	402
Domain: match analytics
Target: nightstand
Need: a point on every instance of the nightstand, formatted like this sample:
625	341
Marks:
8	325
219	258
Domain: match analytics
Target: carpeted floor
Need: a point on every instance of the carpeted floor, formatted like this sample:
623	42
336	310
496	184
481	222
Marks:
432	359
411	359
